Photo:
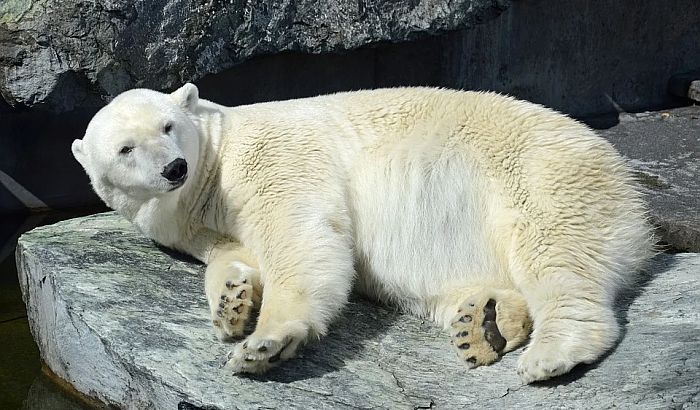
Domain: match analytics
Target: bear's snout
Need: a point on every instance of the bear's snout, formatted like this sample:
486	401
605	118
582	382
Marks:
175	171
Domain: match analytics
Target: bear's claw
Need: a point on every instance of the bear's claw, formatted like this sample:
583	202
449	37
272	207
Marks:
259	355
269	345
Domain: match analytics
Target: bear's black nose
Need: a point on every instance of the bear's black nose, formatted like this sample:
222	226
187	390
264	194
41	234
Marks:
176	170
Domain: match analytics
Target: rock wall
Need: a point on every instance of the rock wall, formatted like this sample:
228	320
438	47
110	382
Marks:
60	62
63	52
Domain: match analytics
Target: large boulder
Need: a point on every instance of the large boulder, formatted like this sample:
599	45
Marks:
126	322
62	52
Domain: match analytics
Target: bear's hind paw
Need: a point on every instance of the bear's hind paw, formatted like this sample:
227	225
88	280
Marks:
474	333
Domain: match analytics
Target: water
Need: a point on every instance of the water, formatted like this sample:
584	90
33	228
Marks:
22	383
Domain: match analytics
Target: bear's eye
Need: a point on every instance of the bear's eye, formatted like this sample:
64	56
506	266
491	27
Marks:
168	127
125	150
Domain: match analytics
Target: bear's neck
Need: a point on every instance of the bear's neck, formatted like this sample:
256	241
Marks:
172	218
200	198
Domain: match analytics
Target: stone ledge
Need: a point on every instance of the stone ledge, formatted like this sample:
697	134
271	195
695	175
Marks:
663	147
126	323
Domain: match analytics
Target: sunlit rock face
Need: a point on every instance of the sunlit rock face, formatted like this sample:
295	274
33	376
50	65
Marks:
64	54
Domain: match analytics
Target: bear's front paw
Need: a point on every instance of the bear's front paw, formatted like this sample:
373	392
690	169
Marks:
265	349
230	288
230	315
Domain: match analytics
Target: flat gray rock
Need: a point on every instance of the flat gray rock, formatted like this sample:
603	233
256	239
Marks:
127	323
60	53
664	149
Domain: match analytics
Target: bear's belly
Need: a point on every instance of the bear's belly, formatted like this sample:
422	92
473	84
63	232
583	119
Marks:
421	227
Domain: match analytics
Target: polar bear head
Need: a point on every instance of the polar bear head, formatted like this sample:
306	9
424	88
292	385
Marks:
144	144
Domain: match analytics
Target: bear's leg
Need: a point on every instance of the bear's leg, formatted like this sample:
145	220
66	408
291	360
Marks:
484	323
303	292
574	323
281	329
232	287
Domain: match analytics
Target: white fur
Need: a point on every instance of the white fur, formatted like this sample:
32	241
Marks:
431	194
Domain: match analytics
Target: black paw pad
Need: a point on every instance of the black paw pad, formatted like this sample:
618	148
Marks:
491	332
465	319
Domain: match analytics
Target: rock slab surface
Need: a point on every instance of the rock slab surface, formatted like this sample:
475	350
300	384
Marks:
126	322
664	149
61	52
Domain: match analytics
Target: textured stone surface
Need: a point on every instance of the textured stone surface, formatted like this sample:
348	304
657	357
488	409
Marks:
125	322
58	51
694	91
664	148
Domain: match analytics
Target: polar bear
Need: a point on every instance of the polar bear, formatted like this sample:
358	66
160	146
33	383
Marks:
499	219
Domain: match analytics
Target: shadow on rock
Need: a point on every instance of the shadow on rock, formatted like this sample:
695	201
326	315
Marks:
361	321
658	266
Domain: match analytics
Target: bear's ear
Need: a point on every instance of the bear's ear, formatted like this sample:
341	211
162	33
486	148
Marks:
78	153
186	96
